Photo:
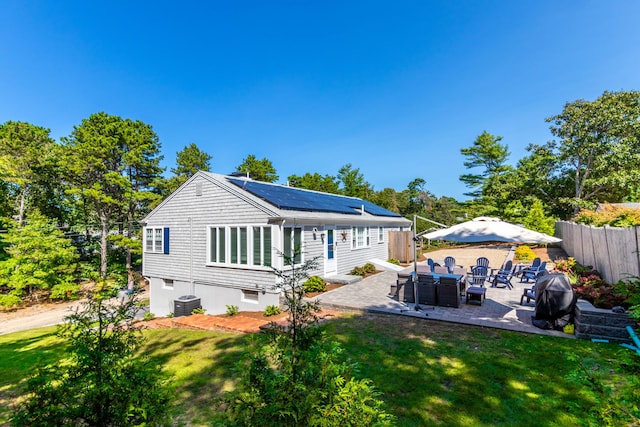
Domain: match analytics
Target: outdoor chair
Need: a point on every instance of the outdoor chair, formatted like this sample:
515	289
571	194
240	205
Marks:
483	261
504	275
534	265
479	275
476	291
431	264
449	292
507	266
404	288
460	271
533	273
427	289
450	262
529	294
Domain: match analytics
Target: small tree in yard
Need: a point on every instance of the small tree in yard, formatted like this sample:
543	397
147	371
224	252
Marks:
40	258
103	382
293	376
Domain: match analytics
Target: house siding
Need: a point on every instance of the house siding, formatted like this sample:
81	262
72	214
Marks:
203	202
188	217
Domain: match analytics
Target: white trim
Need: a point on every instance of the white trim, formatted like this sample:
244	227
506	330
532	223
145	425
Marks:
360	237
157	247
237	252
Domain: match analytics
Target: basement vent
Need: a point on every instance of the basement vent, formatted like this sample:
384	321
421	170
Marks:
249	296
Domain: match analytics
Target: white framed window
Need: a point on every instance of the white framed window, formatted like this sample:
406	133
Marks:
360	237
292	244
250	296
156	239
239	245
380	234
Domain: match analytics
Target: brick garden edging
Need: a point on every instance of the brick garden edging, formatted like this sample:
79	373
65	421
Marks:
598	323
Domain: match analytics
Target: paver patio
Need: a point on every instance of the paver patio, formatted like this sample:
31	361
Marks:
501	309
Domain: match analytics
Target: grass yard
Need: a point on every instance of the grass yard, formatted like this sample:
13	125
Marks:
429	373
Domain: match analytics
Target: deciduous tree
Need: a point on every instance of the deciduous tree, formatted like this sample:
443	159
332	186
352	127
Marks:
597	145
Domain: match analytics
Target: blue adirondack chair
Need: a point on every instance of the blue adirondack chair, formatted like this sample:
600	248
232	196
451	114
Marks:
533	273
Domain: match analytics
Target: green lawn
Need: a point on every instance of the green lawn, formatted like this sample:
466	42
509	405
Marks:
430	373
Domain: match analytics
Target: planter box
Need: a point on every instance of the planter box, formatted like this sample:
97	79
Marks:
598	323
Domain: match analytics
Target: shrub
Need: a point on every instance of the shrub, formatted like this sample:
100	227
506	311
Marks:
524	253
368	268
393	261
169	315
148	316
294	375
232	310
201	310
315	284
65	291
589	285
105	381
271	310
10	301
614	216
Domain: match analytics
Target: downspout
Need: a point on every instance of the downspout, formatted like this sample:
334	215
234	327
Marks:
192	286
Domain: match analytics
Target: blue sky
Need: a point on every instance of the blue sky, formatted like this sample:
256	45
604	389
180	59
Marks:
394	88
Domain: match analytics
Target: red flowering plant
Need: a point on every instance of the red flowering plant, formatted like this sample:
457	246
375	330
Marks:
589	285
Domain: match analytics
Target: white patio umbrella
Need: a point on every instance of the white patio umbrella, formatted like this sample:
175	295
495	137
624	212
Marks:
489	229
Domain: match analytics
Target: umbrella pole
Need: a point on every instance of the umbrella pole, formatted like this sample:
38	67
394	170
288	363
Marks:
414	278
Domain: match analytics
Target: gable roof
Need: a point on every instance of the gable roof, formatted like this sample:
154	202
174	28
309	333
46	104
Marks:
297	199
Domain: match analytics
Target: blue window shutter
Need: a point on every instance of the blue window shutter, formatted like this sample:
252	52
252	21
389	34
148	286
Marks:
166	240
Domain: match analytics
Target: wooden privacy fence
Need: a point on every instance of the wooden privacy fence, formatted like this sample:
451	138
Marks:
612	251
401	246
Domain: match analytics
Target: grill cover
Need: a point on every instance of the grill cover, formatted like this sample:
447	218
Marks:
555	301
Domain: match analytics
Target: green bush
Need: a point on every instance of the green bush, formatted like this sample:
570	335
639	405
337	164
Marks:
315	284
10	301
524	253
393	261
65	291
368	268
232	310
271	310
148	316
613	216
200	310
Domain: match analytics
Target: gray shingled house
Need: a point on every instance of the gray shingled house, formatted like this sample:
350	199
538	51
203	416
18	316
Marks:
217	237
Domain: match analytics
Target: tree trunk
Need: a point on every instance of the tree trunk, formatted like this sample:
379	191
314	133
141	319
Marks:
22	207
104	231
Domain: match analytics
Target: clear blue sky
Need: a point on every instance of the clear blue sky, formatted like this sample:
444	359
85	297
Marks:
396	88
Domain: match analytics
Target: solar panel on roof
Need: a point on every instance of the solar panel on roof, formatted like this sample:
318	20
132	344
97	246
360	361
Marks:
302	200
